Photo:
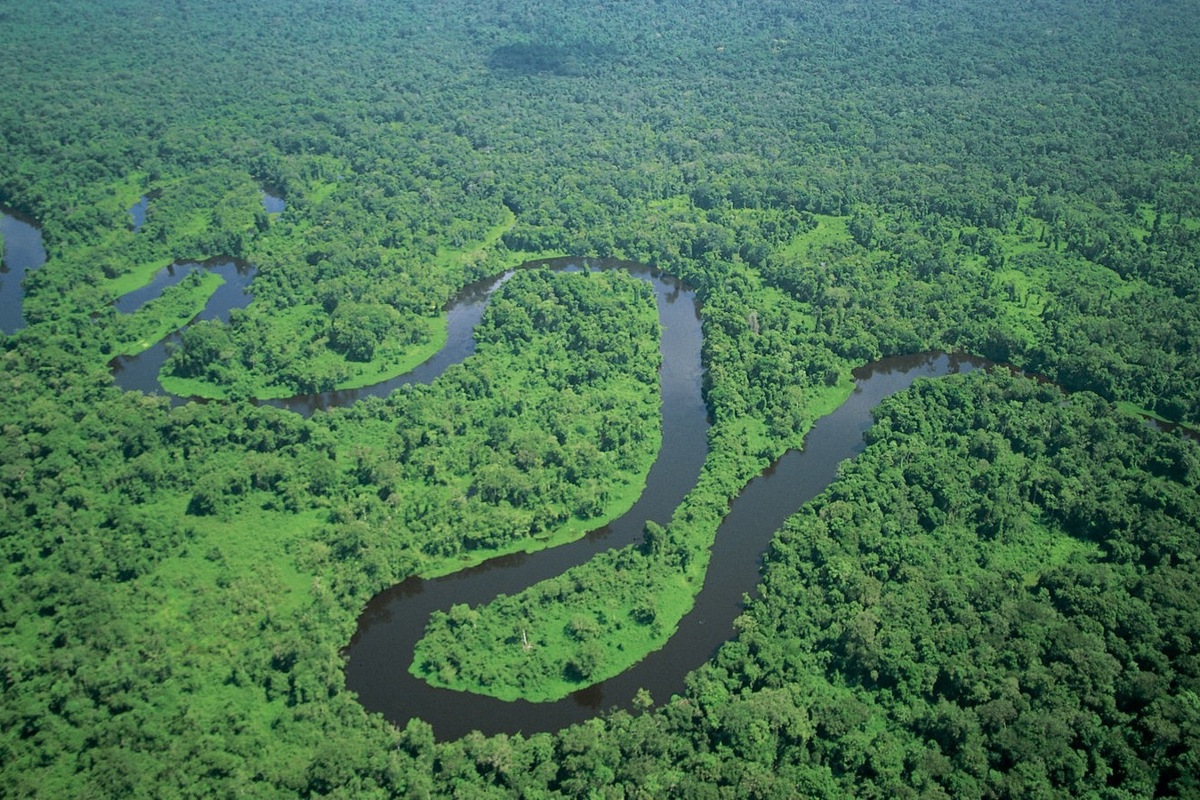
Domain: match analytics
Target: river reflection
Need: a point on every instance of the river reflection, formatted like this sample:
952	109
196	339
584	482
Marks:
23	252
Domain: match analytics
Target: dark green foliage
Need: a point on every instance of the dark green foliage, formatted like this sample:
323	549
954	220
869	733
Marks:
981	584
356	329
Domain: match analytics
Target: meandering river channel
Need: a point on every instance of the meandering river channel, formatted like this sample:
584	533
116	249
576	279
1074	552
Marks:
380	652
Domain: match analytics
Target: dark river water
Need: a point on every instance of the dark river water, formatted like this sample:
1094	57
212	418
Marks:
381	651
140	372
379	654
23	251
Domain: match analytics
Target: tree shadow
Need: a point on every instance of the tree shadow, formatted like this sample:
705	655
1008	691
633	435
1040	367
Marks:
546	59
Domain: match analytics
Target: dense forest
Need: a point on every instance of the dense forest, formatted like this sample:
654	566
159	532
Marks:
996	599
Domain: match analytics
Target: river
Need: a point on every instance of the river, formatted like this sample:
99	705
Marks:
23	252
140	372
380	652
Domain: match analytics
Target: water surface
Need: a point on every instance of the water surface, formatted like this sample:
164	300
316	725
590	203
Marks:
23	252
138	213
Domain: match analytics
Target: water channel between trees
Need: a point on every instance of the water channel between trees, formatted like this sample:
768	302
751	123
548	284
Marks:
23	252
380	652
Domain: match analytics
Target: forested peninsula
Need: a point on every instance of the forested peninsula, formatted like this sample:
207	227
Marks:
997	598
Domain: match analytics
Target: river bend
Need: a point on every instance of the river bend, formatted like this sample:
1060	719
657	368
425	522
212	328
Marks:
381	650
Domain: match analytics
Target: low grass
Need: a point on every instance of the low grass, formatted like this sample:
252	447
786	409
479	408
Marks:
675	203
567	645
467	254
1034	549
249	540
1138	411
830	231
320	191
136	277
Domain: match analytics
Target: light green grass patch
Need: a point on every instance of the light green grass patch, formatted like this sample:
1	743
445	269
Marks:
679	203
826	400
137	277
471	253
191	387
591	623
246	540
129	191
1134	409
320	191
830	230
1034	550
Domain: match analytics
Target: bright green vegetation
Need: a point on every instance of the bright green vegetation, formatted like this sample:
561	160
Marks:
976	608
135	278
1144	413
552	428
996	600
339	343
563	431
360	345
563	634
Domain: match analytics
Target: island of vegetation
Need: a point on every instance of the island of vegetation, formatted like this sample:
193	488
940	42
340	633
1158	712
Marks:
996	599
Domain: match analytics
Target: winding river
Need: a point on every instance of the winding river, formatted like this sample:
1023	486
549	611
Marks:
23	252
140	372
378	655
381	650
